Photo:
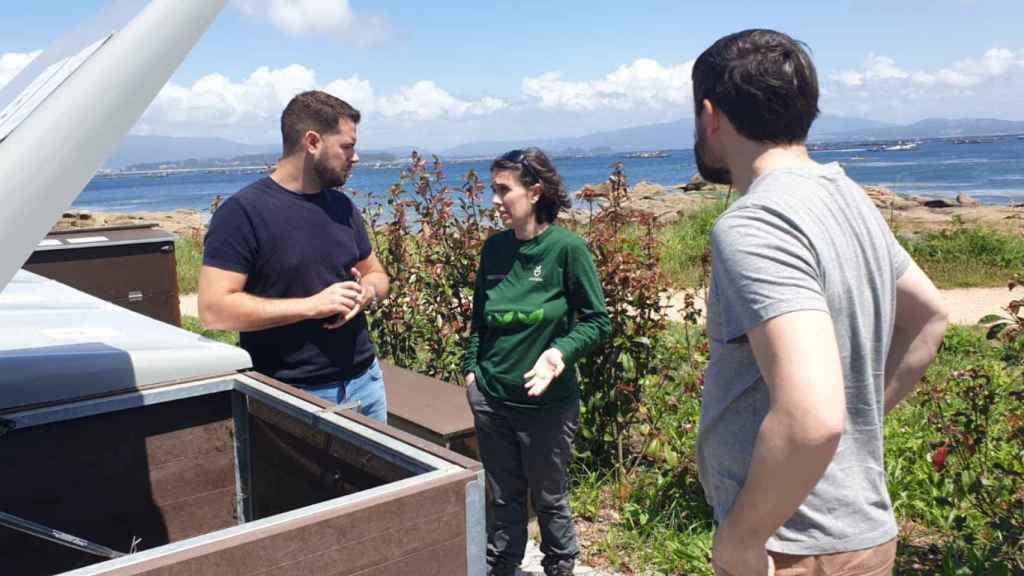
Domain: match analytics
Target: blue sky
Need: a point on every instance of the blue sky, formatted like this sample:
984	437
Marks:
445	73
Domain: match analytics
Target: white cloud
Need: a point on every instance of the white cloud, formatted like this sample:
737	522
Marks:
249	110
12	63
983	86
876	68
970	72
331	18
849	77
644	82
215	105
355	91
425	100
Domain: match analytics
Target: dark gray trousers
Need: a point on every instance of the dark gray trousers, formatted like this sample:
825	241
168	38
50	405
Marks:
526	448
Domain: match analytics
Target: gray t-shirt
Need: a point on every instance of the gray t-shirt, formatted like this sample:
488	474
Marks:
807	239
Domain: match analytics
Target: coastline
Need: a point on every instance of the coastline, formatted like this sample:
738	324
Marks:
665	203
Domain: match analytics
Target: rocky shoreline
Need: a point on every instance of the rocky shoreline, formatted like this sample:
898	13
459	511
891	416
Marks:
913	213
667	204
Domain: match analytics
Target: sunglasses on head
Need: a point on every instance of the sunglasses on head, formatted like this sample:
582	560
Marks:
519	157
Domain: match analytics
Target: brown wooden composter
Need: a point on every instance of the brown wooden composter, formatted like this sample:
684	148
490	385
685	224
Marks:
120	432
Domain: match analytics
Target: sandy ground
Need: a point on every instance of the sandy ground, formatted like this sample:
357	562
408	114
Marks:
181	222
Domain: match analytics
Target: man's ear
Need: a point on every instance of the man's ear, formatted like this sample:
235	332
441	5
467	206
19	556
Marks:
713	114
311	142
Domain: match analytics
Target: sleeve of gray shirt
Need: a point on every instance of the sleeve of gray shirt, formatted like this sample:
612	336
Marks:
762	267
900	258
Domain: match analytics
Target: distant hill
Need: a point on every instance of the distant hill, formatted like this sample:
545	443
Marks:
938	128
156	150
139	149
668	135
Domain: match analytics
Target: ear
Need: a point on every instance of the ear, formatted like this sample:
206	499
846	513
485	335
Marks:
311	142
534	193
714	116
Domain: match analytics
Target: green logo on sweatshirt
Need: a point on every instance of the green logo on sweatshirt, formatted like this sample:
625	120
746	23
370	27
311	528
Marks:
511	317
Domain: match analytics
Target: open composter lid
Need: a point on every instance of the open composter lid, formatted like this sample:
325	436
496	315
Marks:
65	114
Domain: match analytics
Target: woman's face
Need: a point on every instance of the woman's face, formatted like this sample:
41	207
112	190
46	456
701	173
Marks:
515	202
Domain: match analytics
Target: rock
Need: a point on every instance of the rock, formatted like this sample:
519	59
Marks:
920	200
84	215
940	203
901	203
646	190
881	196
696	183
965	199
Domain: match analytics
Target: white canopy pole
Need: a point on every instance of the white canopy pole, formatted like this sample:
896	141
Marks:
52	154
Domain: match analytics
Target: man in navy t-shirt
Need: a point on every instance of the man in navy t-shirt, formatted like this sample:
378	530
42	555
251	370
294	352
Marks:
288	263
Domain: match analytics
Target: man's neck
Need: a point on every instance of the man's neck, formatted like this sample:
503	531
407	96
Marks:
293	174
756	159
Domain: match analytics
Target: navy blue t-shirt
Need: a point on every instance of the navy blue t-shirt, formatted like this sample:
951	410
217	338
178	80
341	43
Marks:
293	245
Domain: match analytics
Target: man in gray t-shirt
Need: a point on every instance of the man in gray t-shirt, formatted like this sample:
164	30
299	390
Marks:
818	321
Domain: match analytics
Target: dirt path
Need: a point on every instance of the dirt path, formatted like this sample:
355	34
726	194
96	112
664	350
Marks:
965	305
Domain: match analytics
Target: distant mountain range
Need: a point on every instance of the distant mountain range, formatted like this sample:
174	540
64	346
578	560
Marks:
669	135
139	149
937	128
152	150
679	134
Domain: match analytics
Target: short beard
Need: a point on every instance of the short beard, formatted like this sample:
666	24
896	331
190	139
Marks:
328	177
713	174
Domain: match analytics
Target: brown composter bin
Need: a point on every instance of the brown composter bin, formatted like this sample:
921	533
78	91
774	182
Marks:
125	434
131	266
430	409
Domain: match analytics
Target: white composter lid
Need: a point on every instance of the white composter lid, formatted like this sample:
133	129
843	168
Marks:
58	343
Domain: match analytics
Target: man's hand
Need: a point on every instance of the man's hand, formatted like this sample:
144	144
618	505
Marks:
546	369
338	299
732	556
364	295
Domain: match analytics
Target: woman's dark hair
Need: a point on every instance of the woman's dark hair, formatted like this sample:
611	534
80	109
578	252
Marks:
763	81
533	166
314	111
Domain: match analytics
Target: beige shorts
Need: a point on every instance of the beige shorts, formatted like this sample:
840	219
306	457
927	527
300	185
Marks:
877	561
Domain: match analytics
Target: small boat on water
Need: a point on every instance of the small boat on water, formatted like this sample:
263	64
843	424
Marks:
651	154
901	146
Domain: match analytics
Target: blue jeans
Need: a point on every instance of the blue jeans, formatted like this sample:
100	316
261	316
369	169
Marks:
367	389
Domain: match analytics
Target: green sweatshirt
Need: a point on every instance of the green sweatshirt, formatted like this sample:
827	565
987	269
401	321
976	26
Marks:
531	296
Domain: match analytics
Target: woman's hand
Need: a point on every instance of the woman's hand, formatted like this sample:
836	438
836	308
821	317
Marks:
546	369
470	379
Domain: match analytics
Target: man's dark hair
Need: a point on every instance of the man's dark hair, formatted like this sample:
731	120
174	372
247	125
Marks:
314	110
533	166
763	81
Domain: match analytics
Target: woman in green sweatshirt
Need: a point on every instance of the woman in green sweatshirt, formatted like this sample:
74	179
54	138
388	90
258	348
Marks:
537	308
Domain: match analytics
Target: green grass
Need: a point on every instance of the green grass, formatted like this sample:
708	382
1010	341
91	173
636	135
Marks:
189	254
961	257
965	257
684	243
658	522
191	323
